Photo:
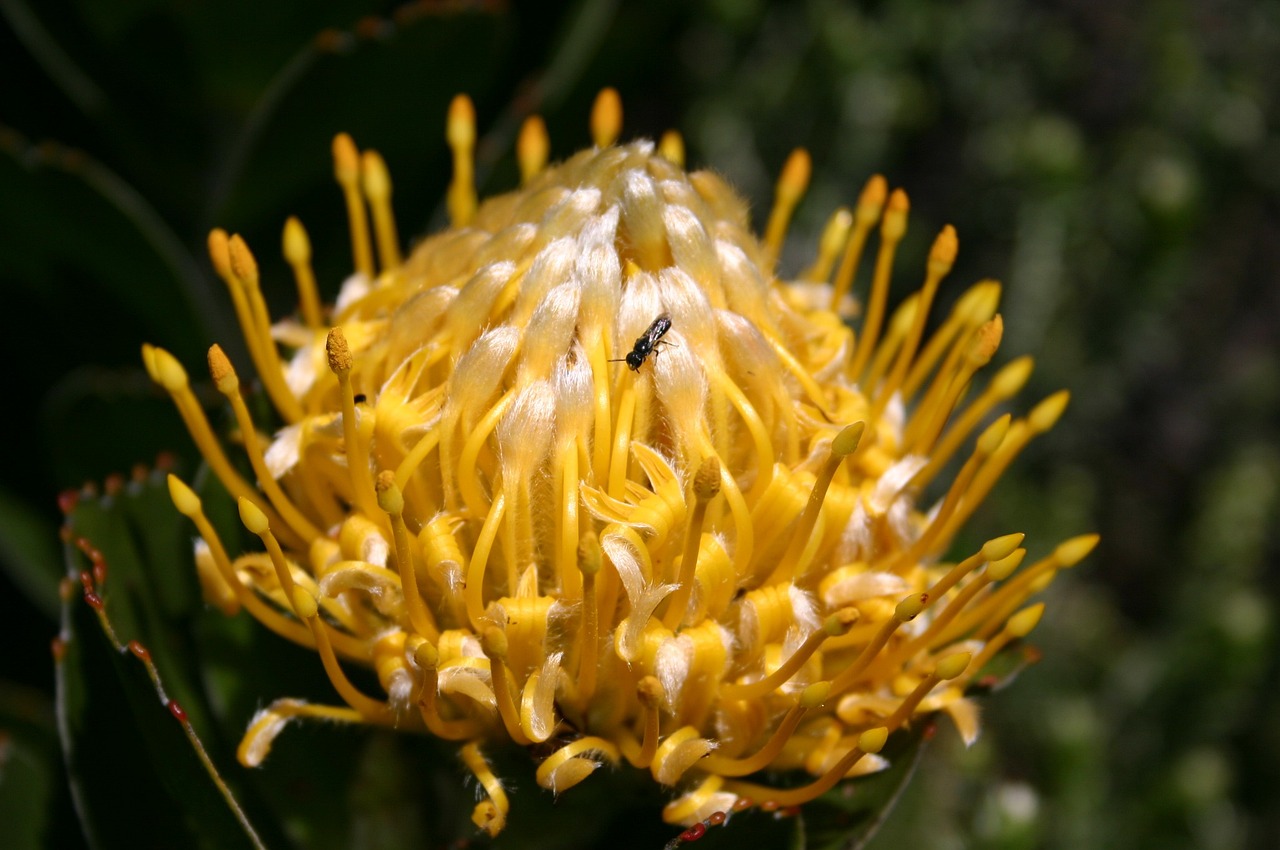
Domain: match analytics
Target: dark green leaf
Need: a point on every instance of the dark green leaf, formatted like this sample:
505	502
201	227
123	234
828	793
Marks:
136	776
149	573
29	767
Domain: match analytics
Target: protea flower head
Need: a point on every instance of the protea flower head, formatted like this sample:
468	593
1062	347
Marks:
717	557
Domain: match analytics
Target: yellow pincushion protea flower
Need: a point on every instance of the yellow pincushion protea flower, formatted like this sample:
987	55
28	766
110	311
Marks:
704	563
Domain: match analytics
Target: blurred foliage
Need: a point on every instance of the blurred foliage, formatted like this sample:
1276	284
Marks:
1117	165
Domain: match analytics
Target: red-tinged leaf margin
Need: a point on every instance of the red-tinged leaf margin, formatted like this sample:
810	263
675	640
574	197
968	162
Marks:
140	774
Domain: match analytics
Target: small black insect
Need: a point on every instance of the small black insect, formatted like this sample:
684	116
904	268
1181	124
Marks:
647	343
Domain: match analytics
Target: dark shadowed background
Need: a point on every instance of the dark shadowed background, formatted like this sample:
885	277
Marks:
1115	164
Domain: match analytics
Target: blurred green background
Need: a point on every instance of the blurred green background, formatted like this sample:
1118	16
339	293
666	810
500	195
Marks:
1116	164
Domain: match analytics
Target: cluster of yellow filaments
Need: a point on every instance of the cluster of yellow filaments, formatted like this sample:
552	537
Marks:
707	567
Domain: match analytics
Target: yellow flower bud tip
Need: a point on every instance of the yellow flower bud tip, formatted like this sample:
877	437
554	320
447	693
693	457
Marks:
815	695
219	253
338	352
346	161
649	691
390	499
1003	568
986	307
304	604
951	666
426	656
169	371
1047	413
1073	551
374	176
841	621
1010	380
460	125
671	147
905	316
871	200
836	233
794	178
908	608
895	216
183	497
1021	623
297	245
606	117
993	435
589	554
872	741
149	361
970	303
1042	581
706	482
243	264
987	341
252	516
533	147
942	256
846	442
493	641
221	370
1000	547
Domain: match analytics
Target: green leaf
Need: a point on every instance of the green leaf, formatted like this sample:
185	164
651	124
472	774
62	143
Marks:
163	539
149	590
29	766
137	776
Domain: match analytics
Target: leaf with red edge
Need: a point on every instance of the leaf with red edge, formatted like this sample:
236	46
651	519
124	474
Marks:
135	765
